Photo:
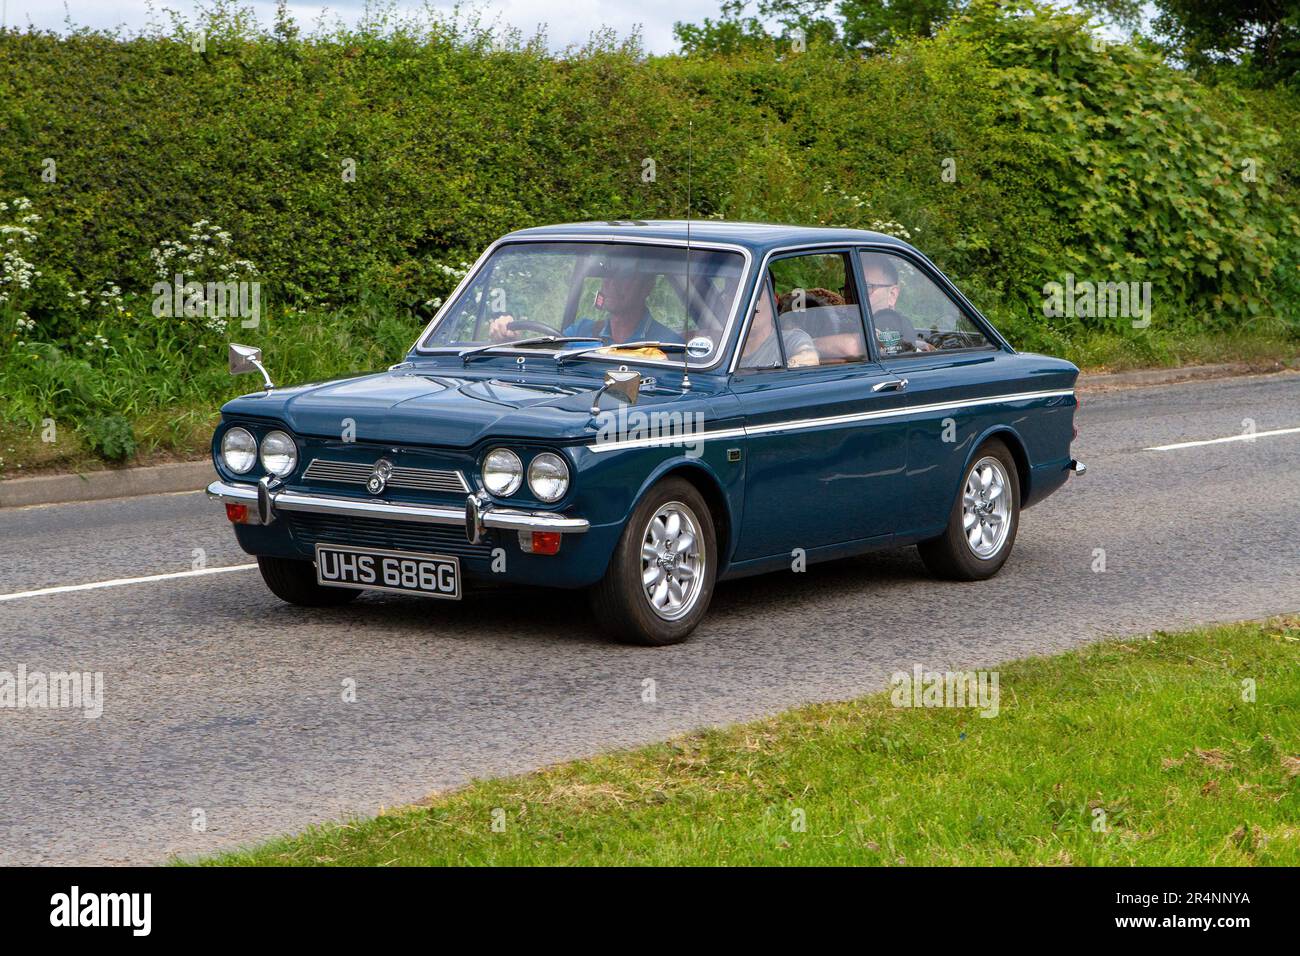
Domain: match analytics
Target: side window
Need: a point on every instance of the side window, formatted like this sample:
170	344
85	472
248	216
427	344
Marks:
817	313
762	347
910	314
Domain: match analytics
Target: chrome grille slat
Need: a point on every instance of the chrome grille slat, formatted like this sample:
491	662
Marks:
413	479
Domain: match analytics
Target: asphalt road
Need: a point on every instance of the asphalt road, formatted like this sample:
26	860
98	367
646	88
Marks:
220	699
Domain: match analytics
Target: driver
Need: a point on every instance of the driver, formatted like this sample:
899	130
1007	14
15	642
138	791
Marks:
894	332
628	319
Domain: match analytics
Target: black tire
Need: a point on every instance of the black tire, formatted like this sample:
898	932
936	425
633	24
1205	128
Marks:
951	555
620	602
295	582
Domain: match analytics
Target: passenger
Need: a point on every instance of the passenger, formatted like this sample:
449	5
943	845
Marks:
761	350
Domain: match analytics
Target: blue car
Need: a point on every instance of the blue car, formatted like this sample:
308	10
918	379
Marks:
642	409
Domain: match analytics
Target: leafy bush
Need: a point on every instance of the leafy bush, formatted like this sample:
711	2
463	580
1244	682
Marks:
110	436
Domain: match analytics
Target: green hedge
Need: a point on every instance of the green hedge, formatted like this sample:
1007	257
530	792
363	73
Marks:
1068	158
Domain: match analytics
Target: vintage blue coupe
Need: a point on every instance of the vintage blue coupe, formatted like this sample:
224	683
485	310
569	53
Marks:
644	408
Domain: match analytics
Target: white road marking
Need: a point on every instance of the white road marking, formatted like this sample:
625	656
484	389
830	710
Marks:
1248	436
121	582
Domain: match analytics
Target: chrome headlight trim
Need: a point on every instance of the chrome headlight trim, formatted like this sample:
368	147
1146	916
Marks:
548	477
502	472
279	454
241	459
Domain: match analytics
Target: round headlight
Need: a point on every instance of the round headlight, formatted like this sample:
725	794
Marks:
548	477
238	450
502	472
279	453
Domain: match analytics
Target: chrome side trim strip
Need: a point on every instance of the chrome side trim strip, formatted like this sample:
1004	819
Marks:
901	412
508	519
804	423
666	440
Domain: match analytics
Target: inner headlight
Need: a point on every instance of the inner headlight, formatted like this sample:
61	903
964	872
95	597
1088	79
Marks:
239	450
502	472
279	453
548	477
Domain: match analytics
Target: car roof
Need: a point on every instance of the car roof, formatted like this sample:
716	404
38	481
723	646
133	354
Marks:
758	237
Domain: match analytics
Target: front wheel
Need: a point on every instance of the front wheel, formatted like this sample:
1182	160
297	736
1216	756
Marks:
660	580
983	521
295	582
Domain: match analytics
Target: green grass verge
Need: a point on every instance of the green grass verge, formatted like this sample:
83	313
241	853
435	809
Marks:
1153	732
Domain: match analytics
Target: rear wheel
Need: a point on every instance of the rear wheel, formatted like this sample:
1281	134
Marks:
660	580
295	582
983	521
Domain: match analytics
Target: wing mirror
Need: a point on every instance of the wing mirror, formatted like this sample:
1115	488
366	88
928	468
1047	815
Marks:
623	384
246	358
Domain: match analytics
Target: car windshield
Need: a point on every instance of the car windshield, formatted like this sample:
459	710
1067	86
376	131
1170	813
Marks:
606	293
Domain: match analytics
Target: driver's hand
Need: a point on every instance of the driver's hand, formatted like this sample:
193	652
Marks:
923	346
499	328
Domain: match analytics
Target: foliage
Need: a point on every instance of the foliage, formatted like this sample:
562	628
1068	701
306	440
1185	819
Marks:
1263	36
110	436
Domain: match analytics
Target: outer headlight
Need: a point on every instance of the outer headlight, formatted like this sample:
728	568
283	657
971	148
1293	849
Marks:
548	477
502	472
238	450
279	453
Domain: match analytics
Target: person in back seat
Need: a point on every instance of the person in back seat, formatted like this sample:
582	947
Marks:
761	350
838	336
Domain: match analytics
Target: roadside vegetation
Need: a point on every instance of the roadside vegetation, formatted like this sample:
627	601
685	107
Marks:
1171	749
353	173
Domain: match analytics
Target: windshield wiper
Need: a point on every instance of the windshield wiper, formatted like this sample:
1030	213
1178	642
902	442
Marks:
671	346
467	354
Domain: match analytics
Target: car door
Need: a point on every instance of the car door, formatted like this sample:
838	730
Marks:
951	364
825	457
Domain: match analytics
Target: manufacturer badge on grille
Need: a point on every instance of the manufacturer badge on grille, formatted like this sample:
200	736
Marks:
379	476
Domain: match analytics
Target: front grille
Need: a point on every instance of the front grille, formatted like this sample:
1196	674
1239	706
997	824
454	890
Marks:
309	527
414	479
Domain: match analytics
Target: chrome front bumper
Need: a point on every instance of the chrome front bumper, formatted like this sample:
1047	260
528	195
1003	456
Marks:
265	499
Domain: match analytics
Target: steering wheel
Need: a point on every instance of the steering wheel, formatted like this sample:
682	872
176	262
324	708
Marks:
526	325
948	340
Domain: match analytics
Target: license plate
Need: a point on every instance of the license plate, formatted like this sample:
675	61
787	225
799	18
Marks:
430	575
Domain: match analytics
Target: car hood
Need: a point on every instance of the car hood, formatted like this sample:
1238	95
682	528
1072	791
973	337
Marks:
427	407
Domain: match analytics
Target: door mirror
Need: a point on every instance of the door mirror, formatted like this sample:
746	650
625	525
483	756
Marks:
623	384
246	358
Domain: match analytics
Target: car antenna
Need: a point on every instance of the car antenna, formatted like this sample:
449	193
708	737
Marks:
690	156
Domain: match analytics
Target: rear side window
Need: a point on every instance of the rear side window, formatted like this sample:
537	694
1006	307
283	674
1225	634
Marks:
910	314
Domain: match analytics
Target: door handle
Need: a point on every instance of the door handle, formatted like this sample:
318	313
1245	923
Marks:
894	385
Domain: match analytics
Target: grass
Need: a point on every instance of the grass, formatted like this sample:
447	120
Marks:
1107	352
1153	733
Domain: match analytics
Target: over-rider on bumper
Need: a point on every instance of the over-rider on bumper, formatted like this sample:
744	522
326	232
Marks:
264	499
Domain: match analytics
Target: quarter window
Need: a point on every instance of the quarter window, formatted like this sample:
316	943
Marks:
910	314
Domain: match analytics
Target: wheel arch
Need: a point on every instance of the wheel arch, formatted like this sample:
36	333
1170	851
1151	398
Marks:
1016	445
710	489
